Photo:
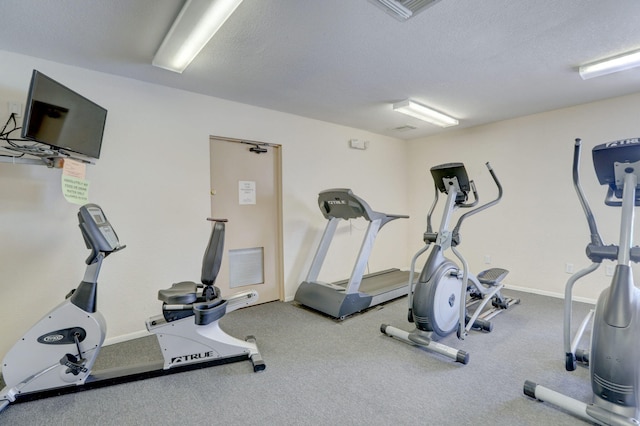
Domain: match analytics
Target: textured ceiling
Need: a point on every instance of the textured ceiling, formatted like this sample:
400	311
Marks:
346	61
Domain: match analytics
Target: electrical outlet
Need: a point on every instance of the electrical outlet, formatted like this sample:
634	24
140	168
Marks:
15	108
568	268
487	259
609	270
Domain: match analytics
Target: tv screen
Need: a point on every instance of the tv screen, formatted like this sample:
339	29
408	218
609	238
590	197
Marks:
57	116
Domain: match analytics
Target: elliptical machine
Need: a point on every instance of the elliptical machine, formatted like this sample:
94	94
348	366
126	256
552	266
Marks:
444	293
615	344
57	354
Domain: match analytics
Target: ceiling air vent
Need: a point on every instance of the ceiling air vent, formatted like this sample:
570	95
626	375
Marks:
403	9
404	128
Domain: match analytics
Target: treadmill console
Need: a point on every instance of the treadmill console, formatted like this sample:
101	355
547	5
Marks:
344	204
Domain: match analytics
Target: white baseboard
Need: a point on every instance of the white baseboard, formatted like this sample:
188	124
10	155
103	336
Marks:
549	293
126	337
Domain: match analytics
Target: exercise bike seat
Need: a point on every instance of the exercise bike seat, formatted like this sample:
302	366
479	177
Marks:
181	293
188	298
186	292
492	276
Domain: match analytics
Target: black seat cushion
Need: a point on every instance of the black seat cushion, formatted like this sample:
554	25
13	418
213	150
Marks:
184	292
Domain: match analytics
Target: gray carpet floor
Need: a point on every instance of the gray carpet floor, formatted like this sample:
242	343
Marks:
324	372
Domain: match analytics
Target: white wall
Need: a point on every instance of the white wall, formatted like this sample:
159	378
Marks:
152	180
539	226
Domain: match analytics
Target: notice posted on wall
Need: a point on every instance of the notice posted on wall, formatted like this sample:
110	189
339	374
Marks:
75	187
246	192
75	190
73	168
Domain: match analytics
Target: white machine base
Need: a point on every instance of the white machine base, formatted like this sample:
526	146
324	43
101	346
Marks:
185	346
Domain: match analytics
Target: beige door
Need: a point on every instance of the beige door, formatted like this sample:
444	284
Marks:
246	190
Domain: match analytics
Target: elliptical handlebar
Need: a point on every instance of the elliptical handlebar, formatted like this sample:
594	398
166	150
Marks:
431	209
593	228
476	199
475	195
456	229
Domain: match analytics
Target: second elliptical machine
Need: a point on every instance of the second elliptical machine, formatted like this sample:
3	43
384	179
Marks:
442	298
614	348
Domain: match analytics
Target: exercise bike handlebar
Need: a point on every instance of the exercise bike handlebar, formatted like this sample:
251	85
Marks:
456	229
593	229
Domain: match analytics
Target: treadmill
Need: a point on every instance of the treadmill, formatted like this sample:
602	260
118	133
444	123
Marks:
359	292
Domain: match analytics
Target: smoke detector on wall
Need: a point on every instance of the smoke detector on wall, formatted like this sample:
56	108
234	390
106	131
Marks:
358	144
403	9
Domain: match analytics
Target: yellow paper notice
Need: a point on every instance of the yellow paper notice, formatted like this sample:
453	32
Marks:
74	168
75	190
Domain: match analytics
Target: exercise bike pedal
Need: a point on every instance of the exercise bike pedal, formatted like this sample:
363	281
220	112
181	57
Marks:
74	365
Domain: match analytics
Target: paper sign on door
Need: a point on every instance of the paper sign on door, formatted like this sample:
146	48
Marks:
246	192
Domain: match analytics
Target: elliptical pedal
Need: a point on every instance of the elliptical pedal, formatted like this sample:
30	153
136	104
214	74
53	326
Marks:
492	276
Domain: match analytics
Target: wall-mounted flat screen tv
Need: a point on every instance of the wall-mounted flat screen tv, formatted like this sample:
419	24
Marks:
61	118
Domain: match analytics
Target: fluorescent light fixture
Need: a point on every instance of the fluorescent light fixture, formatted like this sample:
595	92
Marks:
403	9
195	25
424	113
609	66
397	8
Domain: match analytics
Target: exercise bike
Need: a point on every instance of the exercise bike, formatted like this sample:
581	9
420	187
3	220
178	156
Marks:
57	354
444	294
615	344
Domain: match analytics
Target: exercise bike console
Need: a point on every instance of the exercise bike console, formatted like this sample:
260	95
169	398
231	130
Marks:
97	231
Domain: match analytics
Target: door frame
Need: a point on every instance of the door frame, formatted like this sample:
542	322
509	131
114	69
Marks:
278	194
